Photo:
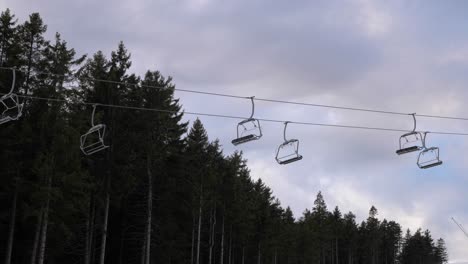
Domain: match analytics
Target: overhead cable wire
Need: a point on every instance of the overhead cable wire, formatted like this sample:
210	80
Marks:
245	97
460	226
236	117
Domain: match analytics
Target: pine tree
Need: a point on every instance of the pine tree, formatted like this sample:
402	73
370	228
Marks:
9	51
33	45
441	254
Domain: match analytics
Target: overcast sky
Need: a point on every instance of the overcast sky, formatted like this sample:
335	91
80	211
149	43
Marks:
408	56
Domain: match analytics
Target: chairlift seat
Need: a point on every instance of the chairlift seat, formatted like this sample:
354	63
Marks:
408	150
93	140
290	160
11	108
288	152
241	140
431	165
247	130
410	142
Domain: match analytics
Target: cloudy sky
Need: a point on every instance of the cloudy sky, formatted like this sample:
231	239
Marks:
407	56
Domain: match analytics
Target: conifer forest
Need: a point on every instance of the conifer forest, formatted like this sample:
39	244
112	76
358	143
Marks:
162	192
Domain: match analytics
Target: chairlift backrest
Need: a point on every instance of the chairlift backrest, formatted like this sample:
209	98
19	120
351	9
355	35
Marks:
288	152
410	142
248	130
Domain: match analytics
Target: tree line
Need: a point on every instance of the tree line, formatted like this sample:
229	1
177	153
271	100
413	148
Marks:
163	192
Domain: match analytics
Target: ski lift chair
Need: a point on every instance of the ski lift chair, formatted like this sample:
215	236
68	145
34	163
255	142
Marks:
410	142
10	106
249	129
288	151
93	140
429	157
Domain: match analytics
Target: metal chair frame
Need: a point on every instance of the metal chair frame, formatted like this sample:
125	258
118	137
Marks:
404	137
242	129
12	108
294	156
433	162
100	131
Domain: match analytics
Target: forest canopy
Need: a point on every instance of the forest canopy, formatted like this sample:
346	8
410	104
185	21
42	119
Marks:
162	192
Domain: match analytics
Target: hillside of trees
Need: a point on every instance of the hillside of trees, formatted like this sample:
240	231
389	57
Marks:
163	192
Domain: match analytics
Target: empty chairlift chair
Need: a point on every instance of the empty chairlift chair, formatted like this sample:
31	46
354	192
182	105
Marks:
288	151
411	142
93	140
11	108
249	129
428	157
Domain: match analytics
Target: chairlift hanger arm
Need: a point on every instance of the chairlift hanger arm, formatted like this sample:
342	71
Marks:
253	107
284	131
13	70
414	120
92	115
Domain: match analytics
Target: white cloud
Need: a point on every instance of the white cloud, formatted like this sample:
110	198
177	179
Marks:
457	55
375	20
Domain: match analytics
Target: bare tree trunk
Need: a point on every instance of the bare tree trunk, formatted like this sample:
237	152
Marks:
373	255
243	255
104	224
88	227
210	242
123	230
92	251
193	241
149	210
121	250
199	224
259	255
337	252
36	236
12	226
143	250
323	256
45	223
230	246
275	258
212	234
332	255
221	261
89	230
